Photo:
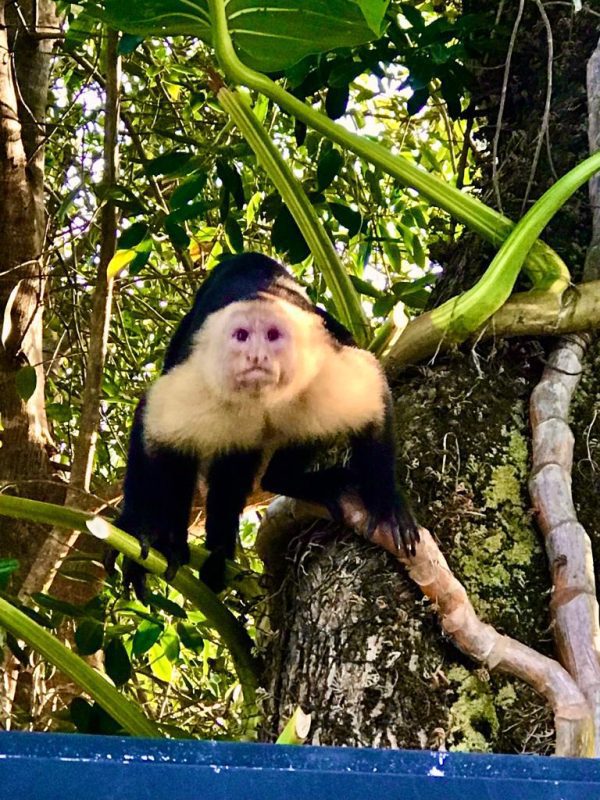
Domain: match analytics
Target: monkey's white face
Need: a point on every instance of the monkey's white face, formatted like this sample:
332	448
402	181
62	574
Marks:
254	351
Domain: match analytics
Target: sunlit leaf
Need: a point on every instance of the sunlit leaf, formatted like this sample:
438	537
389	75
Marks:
119	261
268	39
159	663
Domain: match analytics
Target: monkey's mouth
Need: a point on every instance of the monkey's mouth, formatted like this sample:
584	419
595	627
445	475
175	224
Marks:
256	377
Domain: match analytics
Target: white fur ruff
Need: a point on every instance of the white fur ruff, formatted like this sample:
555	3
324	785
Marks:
335	390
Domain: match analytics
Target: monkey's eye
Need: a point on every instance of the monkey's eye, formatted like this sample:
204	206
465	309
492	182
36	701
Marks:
273	334
241	334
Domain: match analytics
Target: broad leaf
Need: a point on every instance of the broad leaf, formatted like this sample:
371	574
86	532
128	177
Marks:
269	38
26	381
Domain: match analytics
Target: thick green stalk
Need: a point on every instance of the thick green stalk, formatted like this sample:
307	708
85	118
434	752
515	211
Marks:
466	313
545	268
234	635
345	297
113	702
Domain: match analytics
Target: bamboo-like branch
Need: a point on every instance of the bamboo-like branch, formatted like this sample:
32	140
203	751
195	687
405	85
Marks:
227	626
232	632
430	571
524	314
296	728
573	606
110	699
546	269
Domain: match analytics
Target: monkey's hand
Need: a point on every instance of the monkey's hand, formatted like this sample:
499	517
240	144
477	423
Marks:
172	544
397	522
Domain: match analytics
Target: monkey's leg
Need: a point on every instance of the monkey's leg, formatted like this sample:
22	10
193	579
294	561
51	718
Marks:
158	491
230	480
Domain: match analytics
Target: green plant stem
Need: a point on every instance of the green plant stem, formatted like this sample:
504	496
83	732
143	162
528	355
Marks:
466	313
345	297
544	266
112	701
234	635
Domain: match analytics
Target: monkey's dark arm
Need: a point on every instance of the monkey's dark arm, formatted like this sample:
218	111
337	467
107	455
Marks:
230	480
373	463
158	492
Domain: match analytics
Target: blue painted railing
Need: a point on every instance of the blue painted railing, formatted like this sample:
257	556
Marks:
38	766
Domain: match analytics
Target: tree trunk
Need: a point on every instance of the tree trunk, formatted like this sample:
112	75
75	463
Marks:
350	639
24	455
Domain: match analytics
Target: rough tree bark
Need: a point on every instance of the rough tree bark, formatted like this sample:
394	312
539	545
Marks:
25	437
349	638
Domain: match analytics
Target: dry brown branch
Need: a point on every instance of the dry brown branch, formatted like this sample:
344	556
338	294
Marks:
574	607
430	571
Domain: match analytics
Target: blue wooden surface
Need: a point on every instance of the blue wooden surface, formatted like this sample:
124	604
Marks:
37	766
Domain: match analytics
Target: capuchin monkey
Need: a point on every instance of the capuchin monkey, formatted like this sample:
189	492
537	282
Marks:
256	382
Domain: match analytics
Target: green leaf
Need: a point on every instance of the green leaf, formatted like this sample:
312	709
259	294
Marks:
330	163
232	182
120	260
54	604
417	100
269	38
7	567
168	163
26	381
187	190
412	15
374	13
89	718
82	715
89	636
132	236
116	662
234	235
146	635
190	637
287	238
348	217
158	601
336	101
365	288
169	641
128	43
160	665
177	234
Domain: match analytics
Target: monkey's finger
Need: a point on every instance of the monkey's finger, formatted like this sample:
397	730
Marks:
145	545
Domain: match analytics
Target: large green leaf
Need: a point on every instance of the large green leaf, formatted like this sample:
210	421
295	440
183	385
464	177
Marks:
268	37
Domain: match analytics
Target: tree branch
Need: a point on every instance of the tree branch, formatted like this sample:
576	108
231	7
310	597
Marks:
430	571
